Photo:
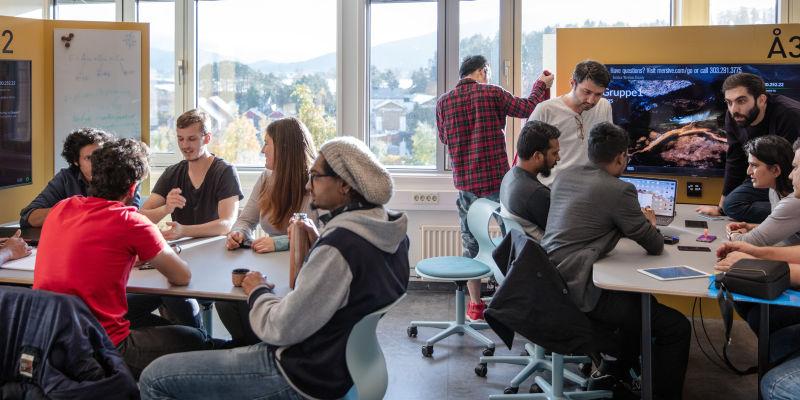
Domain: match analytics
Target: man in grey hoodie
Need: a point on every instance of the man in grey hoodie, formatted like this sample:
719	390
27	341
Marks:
357	264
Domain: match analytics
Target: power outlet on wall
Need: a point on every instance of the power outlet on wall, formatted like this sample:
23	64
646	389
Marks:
425	198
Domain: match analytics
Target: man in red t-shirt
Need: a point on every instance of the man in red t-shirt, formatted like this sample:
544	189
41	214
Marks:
89	245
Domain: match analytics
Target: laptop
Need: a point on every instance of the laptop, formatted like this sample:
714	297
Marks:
29	235
658	194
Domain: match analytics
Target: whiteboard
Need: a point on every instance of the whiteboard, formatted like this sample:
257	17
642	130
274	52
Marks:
96	83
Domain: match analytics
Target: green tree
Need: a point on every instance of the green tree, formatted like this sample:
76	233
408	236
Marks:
238	143
163	139
321	126
390	79
423	145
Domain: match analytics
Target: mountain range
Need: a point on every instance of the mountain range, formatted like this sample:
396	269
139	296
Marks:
405	55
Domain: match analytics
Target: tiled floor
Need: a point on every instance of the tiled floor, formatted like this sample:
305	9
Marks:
449	373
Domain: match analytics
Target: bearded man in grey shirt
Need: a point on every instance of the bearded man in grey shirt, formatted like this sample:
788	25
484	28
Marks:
522	197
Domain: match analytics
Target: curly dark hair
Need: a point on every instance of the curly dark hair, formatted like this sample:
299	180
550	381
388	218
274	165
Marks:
116	166
80	138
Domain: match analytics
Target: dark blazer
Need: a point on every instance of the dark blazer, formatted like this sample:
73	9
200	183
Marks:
72	357
534	300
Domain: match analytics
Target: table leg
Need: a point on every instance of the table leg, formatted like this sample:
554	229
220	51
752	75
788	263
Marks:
763	344
647	349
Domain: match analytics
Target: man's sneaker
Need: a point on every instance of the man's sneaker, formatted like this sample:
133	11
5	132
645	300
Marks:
475	311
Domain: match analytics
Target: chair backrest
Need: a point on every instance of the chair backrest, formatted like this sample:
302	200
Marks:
365	360
509	224
479	215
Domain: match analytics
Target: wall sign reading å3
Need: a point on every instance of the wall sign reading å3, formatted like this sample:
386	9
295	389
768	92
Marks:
778	49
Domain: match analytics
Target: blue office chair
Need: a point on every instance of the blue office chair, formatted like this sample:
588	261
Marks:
365	360
460	270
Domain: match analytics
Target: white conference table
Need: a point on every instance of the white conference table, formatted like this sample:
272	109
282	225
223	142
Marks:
618	271
211	266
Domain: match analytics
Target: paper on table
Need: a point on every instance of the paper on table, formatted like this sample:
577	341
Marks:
25	263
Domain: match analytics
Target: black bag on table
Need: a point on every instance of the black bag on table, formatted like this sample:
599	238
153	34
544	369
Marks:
764	279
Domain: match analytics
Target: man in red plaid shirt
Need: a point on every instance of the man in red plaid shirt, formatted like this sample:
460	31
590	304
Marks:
471	120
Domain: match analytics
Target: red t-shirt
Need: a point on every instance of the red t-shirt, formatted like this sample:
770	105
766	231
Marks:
87	248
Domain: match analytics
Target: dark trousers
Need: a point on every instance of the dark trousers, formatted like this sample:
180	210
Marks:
747	204
182	311
144	345
621	313
235	315
783	342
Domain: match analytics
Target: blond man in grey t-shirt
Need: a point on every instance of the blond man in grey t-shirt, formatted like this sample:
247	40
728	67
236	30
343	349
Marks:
576	113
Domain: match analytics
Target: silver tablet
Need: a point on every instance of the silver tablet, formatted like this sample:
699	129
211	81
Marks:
673	272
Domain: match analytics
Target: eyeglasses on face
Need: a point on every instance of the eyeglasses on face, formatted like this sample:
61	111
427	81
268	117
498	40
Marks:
314	175
579	122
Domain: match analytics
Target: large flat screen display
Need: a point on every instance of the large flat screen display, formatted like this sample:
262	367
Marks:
675	113
15	123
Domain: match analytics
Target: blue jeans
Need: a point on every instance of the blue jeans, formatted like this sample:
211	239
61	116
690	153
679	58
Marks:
747	204
241	373
464	201
783	381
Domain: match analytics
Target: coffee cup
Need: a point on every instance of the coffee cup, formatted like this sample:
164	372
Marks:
237	276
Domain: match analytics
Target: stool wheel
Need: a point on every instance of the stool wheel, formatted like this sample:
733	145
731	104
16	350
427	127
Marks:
535	389
427	351
488	352
586	369
481	370
411	331
510	390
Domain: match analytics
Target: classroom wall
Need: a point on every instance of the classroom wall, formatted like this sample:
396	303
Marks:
33	41
675	45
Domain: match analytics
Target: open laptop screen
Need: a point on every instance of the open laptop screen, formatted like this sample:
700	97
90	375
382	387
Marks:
658	194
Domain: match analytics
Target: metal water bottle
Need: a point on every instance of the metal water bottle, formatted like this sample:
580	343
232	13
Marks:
298	247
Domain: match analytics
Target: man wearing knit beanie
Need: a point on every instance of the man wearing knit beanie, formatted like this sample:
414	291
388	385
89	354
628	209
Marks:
358	263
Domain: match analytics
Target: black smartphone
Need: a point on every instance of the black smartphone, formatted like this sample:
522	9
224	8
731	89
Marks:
696	224
694	248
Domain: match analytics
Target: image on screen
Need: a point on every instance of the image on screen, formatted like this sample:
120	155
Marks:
15	123
658	194
675	113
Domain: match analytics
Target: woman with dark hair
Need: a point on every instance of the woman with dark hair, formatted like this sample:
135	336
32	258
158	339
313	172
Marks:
279	193
769	161
280	190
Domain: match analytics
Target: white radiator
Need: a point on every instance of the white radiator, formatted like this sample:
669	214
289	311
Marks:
439	240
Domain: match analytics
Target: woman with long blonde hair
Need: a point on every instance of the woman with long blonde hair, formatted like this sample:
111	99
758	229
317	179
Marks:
279	193
280	190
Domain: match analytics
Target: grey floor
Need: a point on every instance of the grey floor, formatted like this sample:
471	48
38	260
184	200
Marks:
449	373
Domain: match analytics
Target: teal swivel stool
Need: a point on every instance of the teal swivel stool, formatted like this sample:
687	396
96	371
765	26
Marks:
460	270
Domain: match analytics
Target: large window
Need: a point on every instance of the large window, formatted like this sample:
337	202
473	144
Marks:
540	18
742	12
82	10
260	60
160	14
22	8
479	34
402	83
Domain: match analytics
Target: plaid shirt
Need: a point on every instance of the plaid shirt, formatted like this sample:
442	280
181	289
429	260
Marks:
471	120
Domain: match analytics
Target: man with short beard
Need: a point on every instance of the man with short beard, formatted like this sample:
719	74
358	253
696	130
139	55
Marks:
523	198
751	113
576	113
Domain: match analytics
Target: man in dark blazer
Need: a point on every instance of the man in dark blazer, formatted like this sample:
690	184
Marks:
590	210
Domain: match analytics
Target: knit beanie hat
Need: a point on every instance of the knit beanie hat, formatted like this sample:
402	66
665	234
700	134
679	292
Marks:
353	161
